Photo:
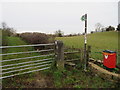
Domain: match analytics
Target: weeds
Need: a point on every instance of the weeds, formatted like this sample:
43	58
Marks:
79	79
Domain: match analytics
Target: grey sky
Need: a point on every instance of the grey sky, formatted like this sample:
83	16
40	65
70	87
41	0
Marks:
47	17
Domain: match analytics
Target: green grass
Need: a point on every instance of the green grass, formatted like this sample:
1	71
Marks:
76	78
14	41
0	38
98	41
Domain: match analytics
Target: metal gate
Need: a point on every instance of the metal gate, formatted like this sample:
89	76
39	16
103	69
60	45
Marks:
32	60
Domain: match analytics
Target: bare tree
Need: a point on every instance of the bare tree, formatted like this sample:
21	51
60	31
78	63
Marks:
7	30
4	25
59	33
98	27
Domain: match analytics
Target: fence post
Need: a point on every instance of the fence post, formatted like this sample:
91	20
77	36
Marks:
60	55
81	55
88	53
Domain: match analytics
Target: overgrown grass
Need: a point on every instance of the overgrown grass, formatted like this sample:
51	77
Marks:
98	41
76	78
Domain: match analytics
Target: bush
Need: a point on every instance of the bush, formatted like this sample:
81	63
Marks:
118	27
92	32
110	28
35	38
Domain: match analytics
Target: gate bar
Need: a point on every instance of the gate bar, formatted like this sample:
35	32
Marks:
26	58
24	72
27	45
26	52
25	65
24	69
26	62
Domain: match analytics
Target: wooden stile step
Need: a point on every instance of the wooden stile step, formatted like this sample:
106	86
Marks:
70	63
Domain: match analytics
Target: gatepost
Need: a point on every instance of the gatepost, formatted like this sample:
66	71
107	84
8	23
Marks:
59	55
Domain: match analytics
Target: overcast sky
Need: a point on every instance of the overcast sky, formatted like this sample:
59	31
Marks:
47	17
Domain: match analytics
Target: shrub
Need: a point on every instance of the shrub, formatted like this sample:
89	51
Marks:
118	27
110	28
92	32
35	38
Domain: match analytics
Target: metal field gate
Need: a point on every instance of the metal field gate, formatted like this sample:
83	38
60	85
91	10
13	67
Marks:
17	63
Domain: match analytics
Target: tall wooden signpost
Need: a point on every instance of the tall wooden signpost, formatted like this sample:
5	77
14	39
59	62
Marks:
84	18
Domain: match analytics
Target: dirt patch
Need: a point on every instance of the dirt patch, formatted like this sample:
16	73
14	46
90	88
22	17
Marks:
36	80
42	81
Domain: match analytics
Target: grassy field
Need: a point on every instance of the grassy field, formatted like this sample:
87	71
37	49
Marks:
98	41
69	78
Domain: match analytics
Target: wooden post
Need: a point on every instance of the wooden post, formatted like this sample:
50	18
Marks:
60	55
85	42
55	51
88	53
81	56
